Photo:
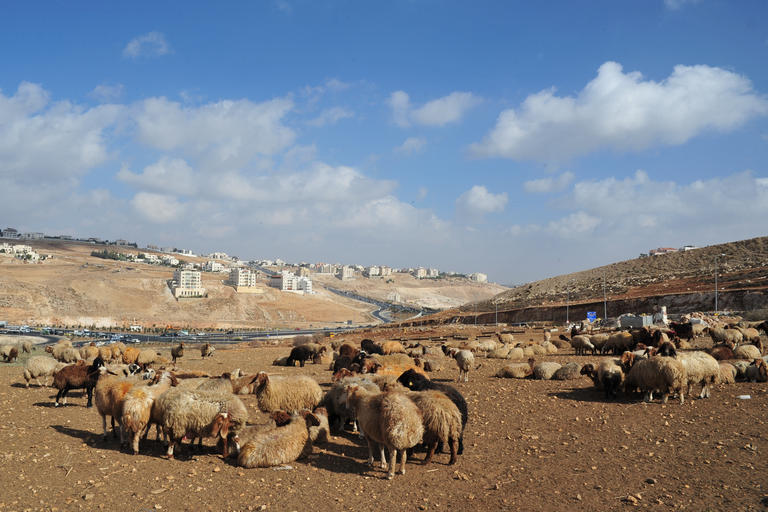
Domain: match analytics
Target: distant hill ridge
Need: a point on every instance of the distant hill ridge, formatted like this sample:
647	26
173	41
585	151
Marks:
741	265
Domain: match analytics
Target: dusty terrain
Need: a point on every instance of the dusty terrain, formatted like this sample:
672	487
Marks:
76	289
530	445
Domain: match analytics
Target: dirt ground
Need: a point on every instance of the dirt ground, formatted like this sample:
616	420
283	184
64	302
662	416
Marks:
530	445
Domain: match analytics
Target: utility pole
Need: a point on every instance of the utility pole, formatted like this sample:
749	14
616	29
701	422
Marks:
605	300
716	256
497	312
567	305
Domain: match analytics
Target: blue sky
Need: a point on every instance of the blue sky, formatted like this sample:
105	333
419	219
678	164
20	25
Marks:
520	139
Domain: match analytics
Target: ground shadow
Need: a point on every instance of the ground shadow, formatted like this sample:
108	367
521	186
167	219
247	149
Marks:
586	395
337	459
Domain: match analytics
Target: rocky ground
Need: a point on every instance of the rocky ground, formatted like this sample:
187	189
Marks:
530	445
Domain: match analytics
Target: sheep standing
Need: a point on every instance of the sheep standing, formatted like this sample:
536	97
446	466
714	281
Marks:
40	366
388	420
302	353
78	376
465	360
618	343
109	395
607	376
200	414
335	403
177	352
207	350
657	373
700	368
279	445
441	420
418	382
581	344
294	393
64	352
9	353
136	413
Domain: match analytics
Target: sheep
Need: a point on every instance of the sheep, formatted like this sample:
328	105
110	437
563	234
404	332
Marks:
599	340
727	373
549	347
130	355
568	371
700	368
280	361
487	346
392	347
138	406
9	353
581	344
279	445
562	342
199	414
117	350
177	352
757	371
147	357
545	370
302	353
657	373
109	395
334	401
294	393
418	382
207	350
321	432
517	370
324	356
747	352
221	384
388	420
619	343
64	352
92	351
607	376
78	376
441	420
501	352
722	352
720	335
348	350
741	369
40	366
683	330
25	346
371	347
465	360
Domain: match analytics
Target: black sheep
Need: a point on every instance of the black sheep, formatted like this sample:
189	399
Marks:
371	347
78	376
418	382
301	354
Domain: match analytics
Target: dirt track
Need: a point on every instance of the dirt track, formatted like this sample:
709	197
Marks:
530	445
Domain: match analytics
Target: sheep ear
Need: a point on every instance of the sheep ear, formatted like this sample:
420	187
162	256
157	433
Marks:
312	420
174	380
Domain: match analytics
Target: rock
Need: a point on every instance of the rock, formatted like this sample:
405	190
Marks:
651	481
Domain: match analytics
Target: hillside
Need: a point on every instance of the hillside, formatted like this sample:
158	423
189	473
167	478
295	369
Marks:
742	271
75	288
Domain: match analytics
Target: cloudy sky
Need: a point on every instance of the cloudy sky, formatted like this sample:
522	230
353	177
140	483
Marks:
520	139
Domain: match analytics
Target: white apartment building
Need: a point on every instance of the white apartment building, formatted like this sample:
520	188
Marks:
433	273
289	282
327	268
347	273
478	277
242	277
213	266
169	260
150	258
373	271
219	256
420	273
188	283
385	271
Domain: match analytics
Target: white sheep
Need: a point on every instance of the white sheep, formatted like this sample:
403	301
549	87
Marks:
292	394
138	405
280	444
40	366
657	373
581	344
700	368
747	352
545	370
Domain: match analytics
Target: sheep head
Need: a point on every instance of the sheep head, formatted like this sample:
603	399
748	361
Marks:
281	418
261	380
341	374
627	360
310	418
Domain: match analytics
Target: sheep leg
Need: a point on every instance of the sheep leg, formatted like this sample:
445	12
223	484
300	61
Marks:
430	451
383	457
452	446
104	426
392	464
171	444
370	451
135	443
403	458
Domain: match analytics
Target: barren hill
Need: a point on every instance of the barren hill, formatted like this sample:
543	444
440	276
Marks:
742	270
75	288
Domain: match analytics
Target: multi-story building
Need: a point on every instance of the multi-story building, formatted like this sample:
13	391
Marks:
327	268
433	273
169	260
150	258
385	271
420	273
187	283
213	266
346	273
478	277
289	282
373	271
245	280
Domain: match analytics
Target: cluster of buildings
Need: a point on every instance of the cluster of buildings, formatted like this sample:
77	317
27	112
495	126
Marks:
667	250
22	252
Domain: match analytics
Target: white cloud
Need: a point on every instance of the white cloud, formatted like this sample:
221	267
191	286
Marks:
52	141
172	175
477	202
621	111
331	116
411	145
675	5
546	185
575	224
105	93
400	103
438	112
152	44
158	208
226	133
448	109
422	193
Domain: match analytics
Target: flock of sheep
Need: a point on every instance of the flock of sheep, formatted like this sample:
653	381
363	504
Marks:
379	389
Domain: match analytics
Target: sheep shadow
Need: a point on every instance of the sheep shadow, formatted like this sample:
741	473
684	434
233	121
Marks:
337	459
586	395
86	436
